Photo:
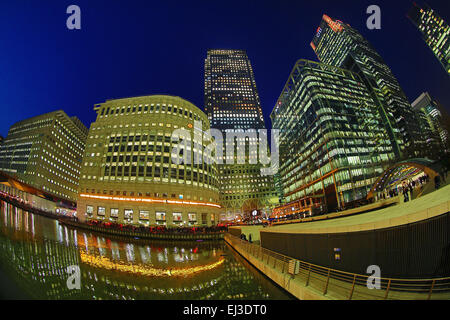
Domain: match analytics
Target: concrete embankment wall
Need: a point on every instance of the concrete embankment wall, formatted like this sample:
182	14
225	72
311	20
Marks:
408	240
283	279
212	236
247	230
413	250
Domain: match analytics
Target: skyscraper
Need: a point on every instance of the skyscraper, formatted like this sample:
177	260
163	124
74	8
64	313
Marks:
232	104
231	97
338	44
45	152
432	121
435	32
332	141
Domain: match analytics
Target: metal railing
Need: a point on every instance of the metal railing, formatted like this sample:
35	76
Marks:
346	285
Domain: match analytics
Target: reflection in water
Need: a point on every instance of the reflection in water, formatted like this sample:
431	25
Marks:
35	252
107	264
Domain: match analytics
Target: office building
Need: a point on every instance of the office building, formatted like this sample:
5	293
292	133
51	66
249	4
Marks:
231	97
233	105
435	32
45	152
128	173
340	45
332	142
433	124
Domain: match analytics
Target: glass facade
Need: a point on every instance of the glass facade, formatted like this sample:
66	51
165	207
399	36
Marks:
432	123
45	152
128	166
332	141
435	32
231	97
233	105
338	44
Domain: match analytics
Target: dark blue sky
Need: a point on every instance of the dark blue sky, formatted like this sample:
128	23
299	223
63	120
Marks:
130	48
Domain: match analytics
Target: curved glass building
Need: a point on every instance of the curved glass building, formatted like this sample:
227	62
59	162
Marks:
128	175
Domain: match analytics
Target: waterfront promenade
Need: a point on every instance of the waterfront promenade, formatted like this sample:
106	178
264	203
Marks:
158	233
314	282
425	207
327	280
390	213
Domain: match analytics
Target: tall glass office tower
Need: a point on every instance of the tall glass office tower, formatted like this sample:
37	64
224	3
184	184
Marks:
435	32
231	97
432	120
332	142
338	44
232	104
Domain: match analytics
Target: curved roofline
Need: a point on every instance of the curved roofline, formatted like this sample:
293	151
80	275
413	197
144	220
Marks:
151	96
431	168
148	95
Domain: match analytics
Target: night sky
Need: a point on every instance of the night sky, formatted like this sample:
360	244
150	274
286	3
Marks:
132	48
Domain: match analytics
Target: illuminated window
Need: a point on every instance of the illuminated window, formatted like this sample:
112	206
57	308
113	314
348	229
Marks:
101	211
144	215
114	213
177	217
128	214
160	216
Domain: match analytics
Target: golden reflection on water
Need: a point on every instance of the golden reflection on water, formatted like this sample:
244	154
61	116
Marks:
108	264
36	251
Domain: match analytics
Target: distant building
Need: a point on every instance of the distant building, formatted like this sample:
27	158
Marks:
232	104
45	152
432	122
435	32
278	186
338	44
128	175
333	144
231	97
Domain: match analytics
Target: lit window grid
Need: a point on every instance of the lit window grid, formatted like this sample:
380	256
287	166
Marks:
136	133
51	158
317	136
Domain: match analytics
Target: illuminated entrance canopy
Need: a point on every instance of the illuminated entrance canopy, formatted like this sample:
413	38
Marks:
402	170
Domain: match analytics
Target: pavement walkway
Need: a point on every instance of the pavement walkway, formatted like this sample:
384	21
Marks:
421	208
